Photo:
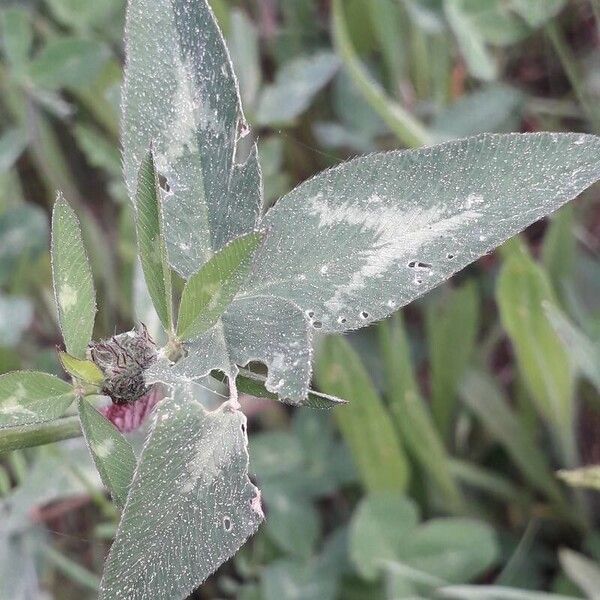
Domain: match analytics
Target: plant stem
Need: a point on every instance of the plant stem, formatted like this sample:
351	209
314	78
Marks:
572	71
38	434
409	130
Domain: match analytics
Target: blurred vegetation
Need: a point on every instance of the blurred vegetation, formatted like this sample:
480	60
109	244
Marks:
441	474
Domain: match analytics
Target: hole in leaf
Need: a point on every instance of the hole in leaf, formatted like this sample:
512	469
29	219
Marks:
244	129
449	256
310	313
415	264
364	315
342	320
317	324
163	183
227	523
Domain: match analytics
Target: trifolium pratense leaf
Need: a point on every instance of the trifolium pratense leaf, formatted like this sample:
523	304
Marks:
264	329
354	243
343	249
84	370
208	293
151	241
111	452
72	276
190	506
180	96
32	397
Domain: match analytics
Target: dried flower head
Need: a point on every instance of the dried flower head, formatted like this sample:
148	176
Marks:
123	360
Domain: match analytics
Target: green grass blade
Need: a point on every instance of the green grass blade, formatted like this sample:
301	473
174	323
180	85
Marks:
410	412
452	325
523	290
151	242
209	292
482	396
558	251
583	352
410	131
365	423
73	284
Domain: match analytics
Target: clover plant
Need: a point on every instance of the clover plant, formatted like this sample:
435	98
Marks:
341	251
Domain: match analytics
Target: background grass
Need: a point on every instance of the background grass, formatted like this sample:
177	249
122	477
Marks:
442	470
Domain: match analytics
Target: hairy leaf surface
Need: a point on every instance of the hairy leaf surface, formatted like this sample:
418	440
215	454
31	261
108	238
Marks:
151	242
356	242
208	293
32	397
191	504
343	249
85	370
73	284
111	452
181	96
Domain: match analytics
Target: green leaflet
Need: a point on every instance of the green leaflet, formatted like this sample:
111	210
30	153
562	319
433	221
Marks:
73	63
365	423
73	285
180	97
252	383
190	506
378	231
385	527
151	242
295	85
208	293
31	397
112	453
85	370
